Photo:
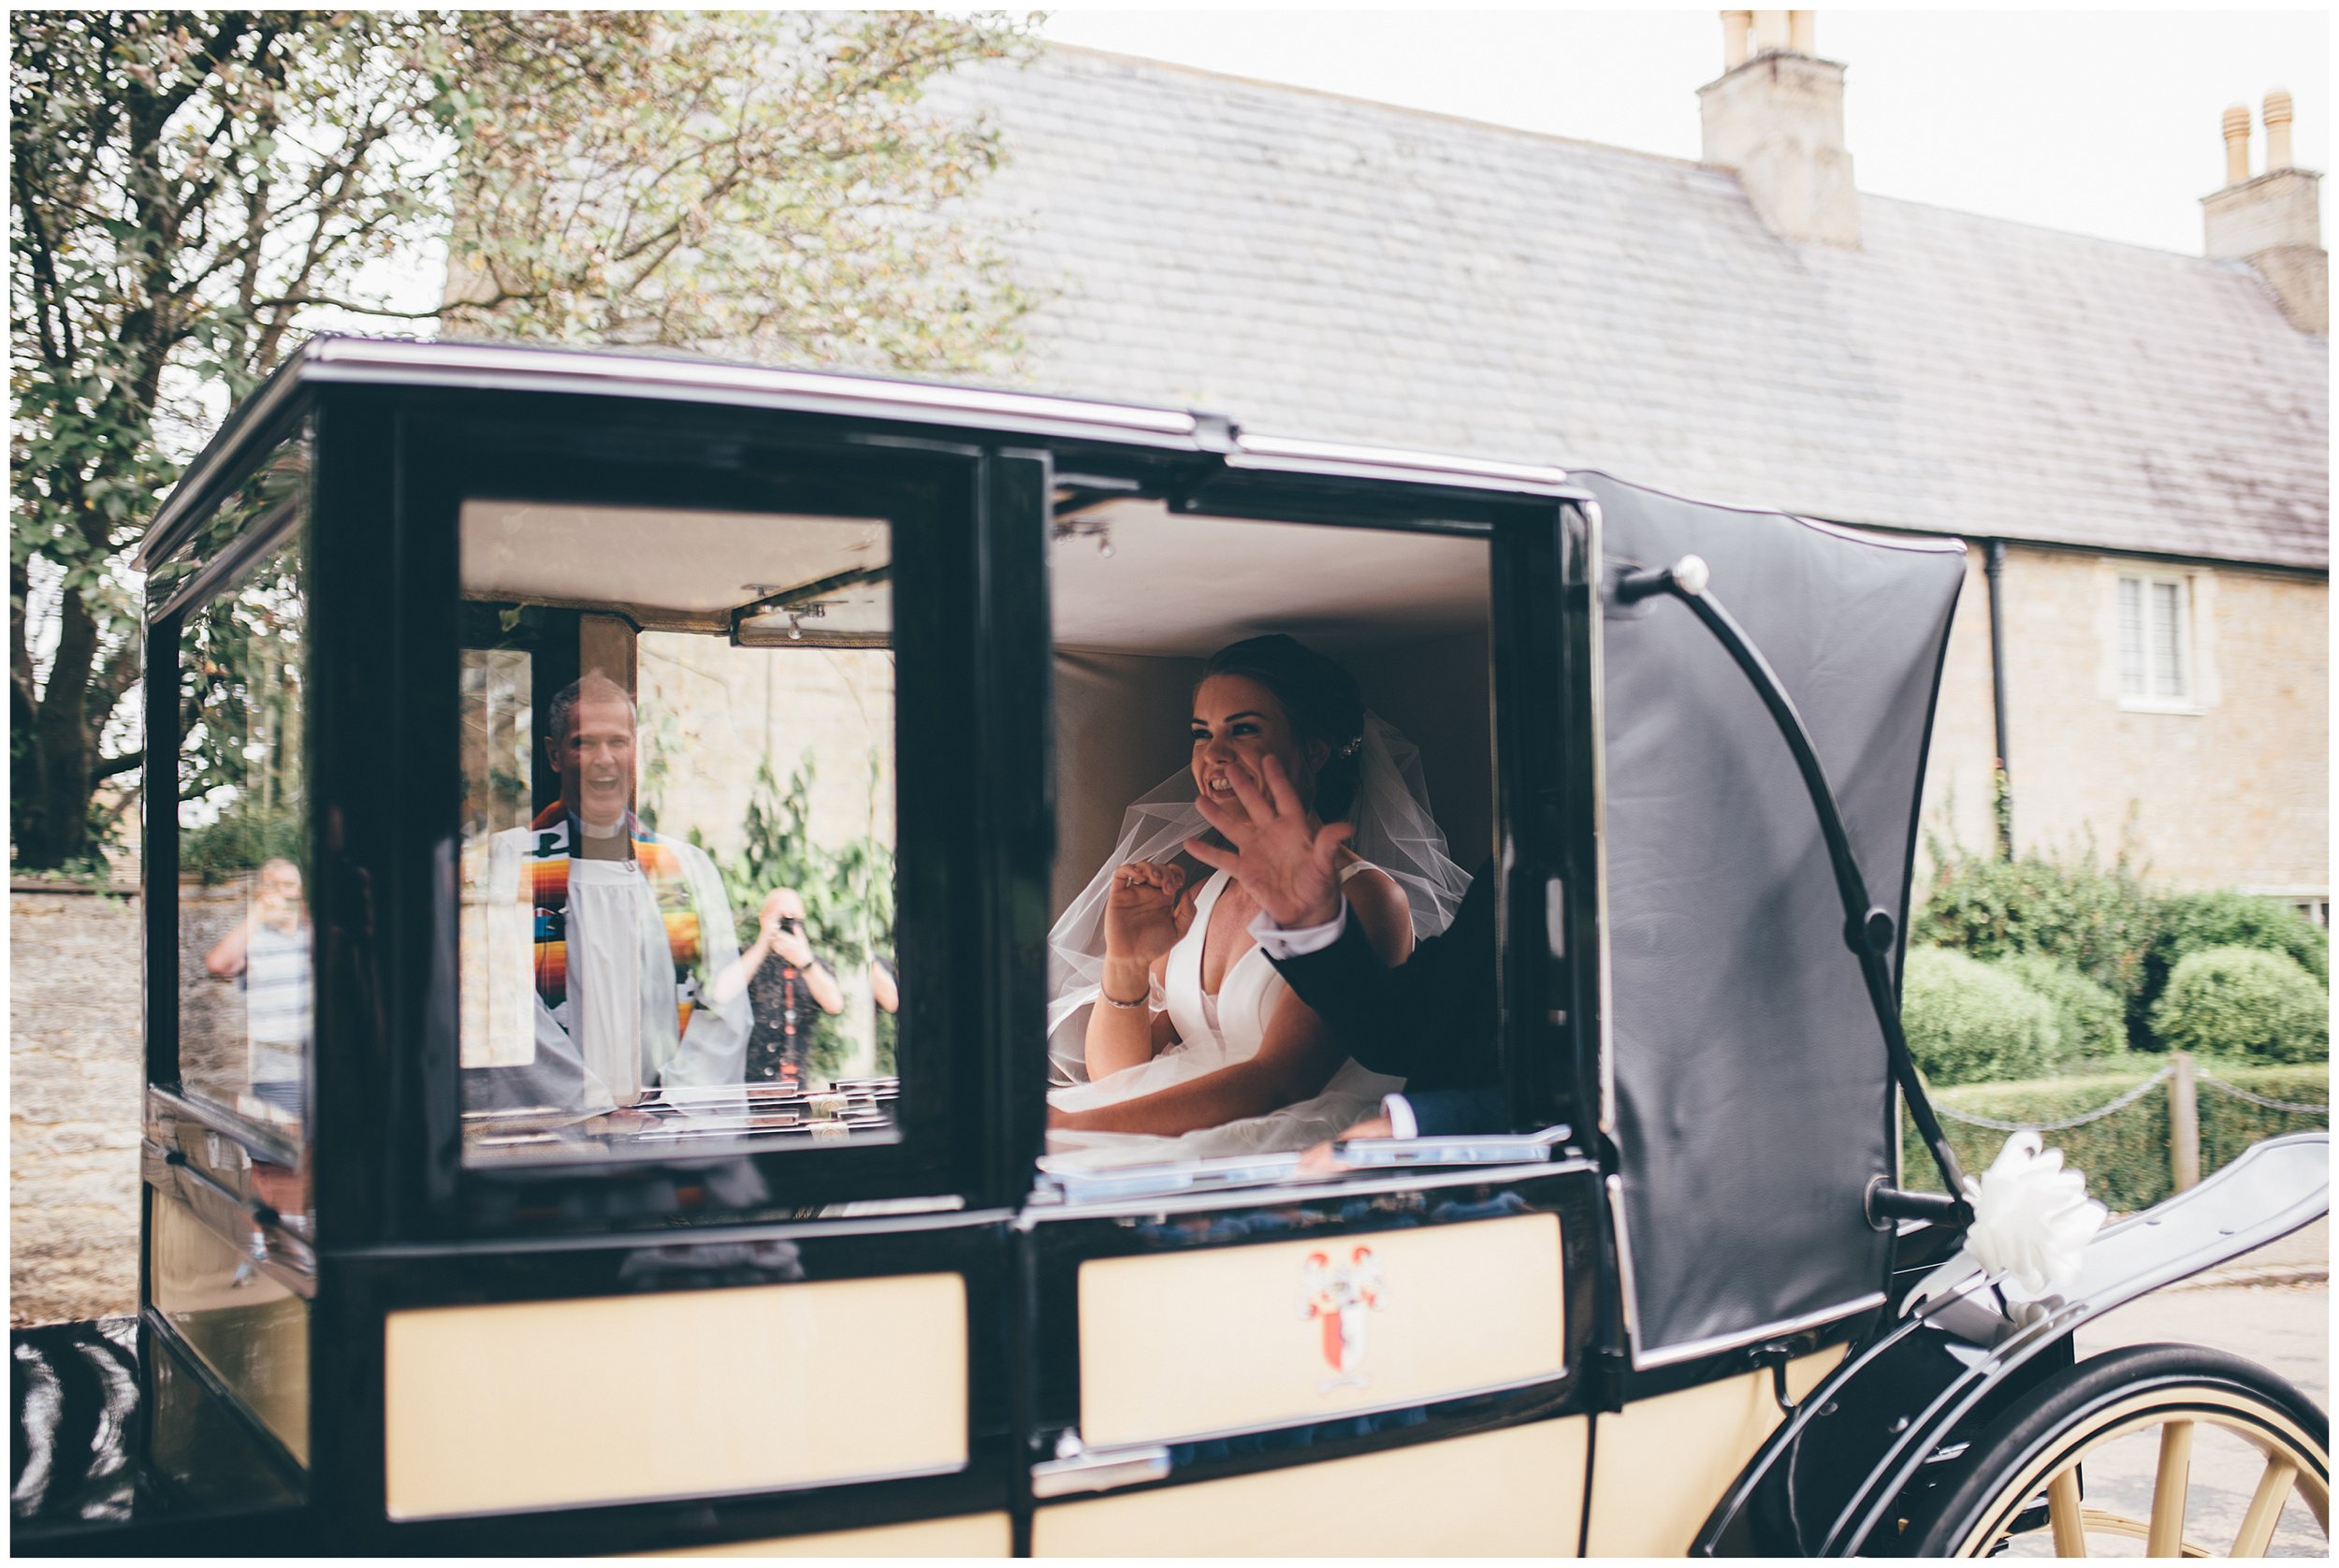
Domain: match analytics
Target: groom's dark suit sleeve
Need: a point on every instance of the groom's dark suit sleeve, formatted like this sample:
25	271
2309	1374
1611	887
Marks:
1430	1020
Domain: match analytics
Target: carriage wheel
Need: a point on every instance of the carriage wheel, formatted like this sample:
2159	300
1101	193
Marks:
2025	1477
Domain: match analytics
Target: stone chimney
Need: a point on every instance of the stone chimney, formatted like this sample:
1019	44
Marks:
2273	222
1774	119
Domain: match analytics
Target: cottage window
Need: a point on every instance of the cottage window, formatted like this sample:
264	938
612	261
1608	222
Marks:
2155	641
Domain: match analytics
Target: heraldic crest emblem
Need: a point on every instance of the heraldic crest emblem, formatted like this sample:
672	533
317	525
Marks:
1337	1296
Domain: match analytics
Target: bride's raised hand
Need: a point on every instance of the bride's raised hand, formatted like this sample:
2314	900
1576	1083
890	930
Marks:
1141	910
1286	860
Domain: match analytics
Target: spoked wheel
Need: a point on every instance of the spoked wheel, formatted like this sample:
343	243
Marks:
2148	1423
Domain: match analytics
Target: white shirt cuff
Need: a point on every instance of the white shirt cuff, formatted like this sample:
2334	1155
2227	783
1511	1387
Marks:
1399	1114
1280	943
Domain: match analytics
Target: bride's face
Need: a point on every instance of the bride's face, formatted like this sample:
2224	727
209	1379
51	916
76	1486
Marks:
1237	724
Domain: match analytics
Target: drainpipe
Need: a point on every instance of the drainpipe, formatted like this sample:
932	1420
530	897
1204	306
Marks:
2002	786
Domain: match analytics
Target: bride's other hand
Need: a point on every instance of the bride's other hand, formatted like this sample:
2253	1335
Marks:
1141	910
1286	860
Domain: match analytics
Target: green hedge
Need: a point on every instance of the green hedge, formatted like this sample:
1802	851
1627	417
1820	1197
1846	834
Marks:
2103	922
2125	1154
2093	1023
1968	1022
2242	1002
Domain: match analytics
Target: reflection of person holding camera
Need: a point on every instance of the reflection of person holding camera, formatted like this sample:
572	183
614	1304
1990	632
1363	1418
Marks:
781	994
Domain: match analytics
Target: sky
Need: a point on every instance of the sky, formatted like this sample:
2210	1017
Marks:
2103	123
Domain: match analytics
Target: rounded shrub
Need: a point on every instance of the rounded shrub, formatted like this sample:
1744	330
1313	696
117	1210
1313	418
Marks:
2093	1024
2186	922
1968	1022
2235	1001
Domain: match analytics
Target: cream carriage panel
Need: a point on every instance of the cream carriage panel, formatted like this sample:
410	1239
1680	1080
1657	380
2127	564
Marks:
1297	1331
1518	1492
540	1405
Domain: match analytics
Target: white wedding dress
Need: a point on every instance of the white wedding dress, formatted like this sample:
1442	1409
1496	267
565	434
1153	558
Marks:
1213	1032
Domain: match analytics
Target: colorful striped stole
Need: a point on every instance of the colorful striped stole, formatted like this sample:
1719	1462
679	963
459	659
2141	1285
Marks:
544	883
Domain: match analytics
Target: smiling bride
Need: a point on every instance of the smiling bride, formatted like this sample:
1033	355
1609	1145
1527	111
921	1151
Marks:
1193	1044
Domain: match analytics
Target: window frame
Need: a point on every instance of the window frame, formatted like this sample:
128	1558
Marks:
2187	698
1543	683
442	447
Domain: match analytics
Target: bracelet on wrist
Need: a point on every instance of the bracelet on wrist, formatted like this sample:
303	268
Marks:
1115	1001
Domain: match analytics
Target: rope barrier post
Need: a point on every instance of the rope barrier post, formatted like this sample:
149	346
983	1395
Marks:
2183	1124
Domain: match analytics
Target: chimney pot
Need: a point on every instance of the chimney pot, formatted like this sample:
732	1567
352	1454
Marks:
2237	143
1802	32
2275	222
1735	25
1771	31
2277	130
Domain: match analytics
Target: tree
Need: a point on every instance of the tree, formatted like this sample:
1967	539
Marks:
182	184
192	191
756	181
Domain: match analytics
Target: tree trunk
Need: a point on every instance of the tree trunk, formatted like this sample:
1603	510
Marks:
51	816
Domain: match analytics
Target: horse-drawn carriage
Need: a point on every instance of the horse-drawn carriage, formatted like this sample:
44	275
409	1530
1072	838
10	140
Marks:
792	1277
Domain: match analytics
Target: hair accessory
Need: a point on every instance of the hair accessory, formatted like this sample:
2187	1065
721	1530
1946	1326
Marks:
1353	746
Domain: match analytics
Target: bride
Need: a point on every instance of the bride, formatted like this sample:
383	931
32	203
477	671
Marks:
1193	1043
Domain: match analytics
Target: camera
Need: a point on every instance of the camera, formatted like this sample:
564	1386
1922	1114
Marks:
790	924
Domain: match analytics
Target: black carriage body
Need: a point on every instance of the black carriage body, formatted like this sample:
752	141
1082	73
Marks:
1674	989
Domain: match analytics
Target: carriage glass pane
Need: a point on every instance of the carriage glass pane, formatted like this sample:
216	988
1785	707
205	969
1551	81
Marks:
246	991
676	930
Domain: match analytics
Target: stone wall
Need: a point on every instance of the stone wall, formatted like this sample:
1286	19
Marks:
2231	789
74	1074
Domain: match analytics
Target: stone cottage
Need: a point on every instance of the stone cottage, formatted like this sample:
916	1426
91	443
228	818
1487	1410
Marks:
2134	443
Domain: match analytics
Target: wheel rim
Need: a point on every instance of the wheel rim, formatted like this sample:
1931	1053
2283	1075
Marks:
2293	1462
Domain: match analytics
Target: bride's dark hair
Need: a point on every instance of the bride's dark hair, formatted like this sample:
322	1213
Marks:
1318	696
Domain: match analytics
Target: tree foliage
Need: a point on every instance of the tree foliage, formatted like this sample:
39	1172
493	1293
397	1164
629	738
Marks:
2098	918
192	191
751	181
182	184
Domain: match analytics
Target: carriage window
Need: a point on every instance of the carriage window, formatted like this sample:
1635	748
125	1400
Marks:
246	992
678	868
1193	653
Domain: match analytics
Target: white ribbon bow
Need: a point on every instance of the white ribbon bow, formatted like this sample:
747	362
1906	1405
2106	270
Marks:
2032	1220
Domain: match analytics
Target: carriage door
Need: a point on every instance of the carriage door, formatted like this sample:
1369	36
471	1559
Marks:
1230	1353
686	1215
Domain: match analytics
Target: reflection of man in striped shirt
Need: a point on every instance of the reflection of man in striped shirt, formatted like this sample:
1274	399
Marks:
270	948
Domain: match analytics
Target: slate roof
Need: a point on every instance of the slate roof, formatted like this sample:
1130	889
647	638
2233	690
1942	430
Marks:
1323	267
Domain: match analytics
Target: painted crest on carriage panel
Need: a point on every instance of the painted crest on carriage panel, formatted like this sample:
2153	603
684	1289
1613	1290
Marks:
1336	1296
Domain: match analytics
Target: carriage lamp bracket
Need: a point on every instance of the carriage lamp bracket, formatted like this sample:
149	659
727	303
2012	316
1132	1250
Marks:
1869	932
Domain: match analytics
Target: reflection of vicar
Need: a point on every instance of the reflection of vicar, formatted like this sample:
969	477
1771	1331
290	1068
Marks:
784	981
625	925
